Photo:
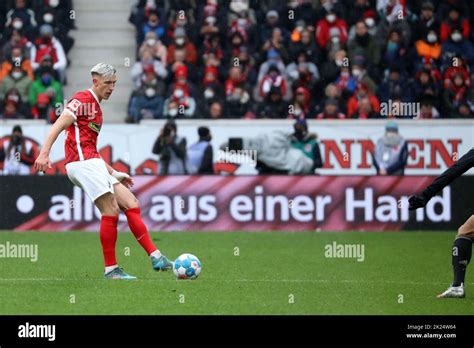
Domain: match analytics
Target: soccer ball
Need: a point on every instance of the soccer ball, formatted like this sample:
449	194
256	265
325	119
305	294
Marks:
187	266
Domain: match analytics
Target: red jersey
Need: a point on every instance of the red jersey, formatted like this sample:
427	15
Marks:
81	136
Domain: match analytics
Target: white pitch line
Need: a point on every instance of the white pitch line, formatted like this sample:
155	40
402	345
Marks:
346	281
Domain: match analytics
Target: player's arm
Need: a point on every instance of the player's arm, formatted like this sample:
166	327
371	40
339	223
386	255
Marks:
465	163
65	120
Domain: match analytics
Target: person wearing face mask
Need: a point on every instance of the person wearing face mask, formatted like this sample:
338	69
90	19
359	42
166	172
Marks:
307	143
59	19
12	60
18	79
45	80
22	12
328	27
153	24
426	22
199	159
455	22
181	42
391	152
17	153
154	46
429	46
360	74
457	45
48	45
146	104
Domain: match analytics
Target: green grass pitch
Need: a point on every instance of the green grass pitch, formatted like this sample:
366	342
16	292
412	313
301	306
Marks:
269	273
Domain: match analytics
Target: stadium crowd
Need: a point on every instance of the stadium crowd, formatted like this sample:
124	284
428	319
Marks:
325	59
34	43
321	59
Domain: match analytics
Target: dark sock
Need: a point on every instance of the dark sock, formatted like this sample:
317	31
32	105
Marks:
462	251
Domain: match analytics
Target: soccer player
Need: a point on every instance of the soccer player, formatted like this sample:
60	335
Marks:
107	188
462	248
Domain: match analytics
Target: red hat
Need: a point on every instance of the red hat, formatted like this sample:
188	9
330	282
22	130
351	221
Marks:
181	72
43	98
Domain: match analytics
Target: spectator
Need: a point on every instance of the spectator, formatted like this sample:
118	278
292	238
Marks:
273	106
273	60
277	42
464	111
216	110
13	95
43	110
17	78
153	25
457	45
11	111
16	59
331	69
425	87
363	44
17	40
273	79
395	85
301	107
238	102
331	28
17	154
171	150
20	16
429	46
307	45
345	83
59	18
181	42
363	104
455	94
48	45
391	152
147	60
427	110
307	143
272	22
455	23
360	74
331	111
199	159
426	23
46	83
156	48
146	103
395	52
302	72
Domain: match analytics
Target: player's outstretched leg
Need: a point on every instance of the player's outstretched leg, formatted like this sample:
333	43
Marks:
108	236
461	256
130	205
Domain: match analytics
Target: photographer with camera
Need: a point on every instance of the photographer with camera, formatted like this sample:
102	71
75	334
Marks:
172	150
17	154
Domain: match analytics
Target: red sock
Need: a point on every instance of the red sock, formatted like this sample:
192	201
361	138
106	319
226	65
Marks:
108	238
139	229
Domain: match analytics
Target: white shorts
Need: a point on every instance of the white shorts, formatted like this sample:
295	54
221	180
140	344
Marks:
92	176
